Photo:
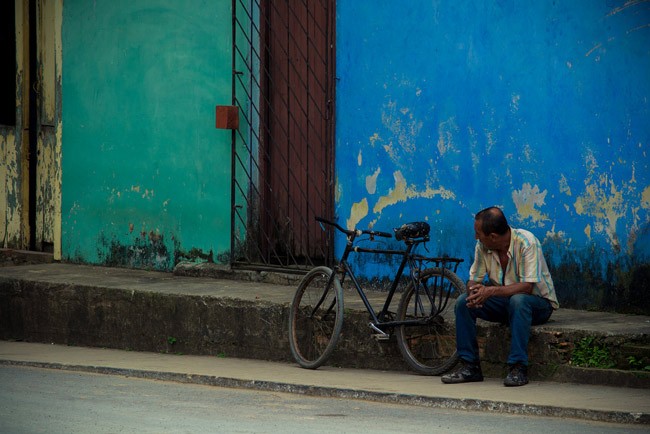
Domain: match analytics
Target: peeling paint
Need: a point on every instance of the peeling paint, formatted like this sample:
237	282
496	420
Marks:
603	201
15	165
590	163
526	200
446	131
373	139
56	220
514	103
401	193
11	234
47	169
397	194
403	126
491	141
147	251
196	255
359	211
563	186
371	182
577	174
559	236
528	152
47	32
645	198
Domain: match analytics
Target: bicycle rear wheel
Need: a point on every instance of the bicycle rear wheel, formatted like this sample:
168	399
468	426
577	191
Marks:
430	348
315	317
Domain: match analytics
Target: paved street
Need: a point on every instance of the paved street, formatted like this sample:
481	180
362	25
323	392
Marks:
554	400
34	400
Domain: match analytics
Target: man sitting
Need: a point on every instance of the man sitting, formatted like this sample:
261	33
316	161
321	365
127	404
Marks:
520	293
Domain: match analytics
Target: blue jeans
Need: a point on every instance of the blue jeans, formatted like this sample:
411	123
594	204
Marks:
519	312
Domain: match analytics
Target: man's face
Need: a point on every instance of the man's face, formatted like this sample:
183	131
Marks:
485	239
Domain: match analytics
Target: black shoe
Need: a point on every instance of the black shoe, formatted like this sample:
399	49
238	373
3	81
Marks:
466	373
517	376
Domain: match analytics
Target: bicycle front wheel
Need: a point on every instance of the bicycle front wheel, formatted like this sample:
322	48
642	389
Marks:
316	317
429	348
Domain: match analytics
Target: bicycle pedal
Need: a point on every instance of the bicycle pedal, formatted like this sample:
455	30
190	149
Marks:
381	337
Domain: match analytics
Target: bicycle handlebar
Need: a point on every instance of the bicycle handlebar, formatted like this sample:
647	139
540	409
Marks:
356	231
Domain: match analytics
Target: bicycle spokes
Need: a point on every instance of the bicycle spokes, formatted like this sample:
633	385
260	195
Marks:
426	340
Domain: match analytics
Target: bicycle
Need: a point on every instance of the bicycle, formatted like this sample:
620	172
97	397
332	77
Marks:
316	311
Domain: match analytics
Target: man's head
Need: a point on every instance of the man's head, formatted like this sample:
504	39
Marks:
491	228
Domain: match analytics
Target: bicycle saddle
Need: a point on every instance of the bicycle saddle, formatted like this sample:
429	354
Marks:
412	230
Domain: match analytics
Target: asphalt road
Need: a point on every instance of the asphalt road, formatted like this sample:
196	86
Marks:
51	401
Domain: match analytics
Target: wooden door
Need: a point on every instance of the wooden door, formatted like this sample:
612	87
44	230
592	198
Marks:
293	147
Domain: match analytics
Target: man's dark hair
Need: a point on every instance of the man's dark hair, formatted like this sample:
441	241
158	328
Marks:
492	221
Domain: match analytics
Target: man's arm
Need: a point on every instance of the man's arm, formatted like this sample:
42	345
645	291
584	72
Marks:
478	270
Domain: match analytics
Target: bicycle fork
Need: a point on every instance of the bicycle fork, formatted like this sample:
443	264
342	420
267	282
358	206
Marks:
323	297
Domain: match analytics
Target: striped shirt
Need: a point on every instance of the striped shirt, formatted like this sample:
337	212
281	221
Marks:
526	263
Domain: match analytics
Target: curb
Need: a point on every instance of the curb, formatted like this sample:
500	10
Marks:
332	392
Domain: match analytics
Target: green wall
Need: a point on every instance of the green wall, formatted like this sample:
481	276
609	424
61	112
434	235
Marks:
146	175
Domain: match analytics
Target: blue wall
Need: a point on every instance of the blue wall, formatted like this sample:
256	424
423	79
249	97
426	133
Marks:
542	108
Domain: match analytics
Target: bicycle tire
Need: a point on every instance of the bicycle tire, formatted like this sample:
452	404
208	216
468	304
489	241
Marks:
429	349
314	335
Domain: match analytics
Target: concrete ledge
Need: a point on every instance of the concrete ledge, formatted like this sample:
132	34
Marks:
160	312
10	257
217	271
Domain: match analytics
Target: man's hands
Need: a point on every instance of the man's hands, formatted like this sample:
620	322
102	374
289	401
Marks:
478	293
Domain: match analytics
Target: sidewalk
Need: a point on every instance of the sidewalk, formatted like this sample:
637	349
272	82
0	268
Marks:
245	316
598	403
86	306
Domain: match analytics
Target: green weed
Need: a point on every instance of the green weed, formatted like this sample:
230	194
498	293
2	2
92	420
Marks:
638	364
589	353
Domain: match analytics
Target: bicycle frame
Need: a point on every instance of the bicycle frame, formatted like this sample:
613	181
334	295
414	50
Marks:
379	322
417	323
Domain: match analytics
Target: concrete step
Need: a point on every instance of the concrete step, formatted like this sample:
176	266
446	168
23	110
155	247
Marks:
160	312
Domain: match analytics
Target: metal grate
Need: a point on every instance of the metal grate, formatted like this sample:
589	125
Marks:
283	150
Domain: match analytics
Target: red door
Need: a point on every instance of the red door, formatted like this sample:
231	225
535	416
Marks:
295	134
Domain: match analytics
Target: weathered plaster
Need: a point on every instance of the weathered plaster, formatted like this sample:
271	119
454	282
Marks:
371	182
58	44
358	212
139	104
645	198
563	185
10	199
47	31
446	132
401	193
561	147
606	203
527	200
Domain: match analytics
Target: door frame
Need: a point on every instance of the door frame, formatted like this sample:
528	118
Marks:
32	171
